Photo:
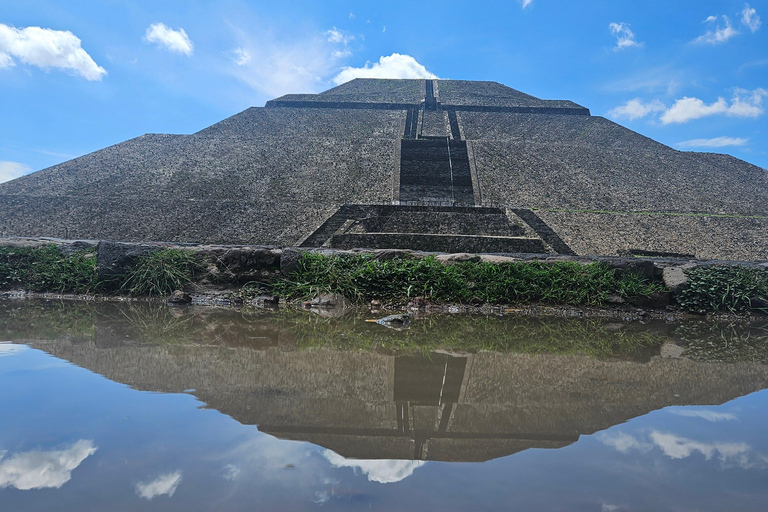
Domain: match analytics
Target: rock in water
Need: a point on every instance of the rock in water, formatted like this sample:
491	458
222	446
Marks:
178	298
399	320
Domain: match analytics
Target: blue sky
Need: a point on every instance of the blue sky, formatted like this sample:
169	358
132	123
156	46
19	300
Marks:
77	76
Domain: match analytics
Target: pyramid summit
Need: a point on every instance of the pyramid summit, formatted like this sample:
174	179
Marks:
442	165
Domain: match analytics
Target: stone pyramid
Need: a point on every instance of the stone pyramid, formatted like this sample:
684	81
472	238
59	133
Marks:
441	165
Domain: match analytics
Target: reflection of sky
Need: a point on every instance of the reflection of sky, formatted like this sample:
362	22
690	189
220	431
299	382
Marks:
165	452
9	349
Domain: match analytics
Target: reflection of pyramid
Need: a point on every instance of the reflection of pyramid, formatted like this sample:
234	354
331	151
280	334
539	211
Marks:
366	405
446	165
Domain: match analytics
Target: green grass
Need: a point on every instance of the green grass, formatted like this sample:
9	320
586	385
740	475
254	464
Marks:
724	288
46	269
161	272
362	277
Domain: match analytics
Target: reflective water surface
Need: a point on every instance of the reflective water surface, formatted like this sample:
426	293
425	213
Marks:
141	407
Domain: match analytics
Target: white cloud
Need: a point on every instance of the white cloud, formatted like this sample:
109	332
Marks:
46	48
719	34
625	38
381	471
750	18
352	15
717	142
744	104
393	66
240	56
174	40
40	470
12	170
687	109
162	485
526	3
636	109
338	37
280	65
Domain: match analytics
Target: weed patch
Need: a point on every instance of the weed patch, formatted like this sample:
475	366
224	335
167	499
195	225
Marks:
362	277
724	288
45	269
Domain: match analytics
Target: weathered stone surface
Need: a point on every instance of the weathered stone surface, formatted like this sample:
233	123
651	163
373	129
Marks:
179	298
66	247
675	278
497	259
115	258
390	254
643	268
289	259
671	351
457	257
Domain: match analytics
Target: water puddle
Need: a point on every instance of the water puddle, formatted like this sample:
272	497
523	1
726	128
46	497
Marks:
136	406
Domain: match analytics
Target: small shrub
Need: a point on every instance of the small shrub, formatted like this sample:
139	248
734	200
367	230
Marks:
723	288
161	272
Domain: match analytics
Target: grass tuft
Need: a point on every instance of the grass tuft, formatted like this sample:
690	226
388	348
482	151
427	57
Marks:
161	272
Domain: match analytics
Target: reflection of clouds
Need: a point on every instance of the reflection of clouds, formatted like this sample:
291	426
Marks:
704	414
231	472
38	469
677	447
9	349
624	442
381	471
164	484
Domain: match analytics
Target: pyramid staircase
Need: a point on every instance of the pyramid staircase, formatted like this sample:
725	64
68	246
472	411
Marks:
435	210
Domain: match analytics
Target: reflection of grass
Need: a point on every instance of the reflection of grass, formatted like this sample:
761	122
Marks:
724	342
472	334
156	324
362	277
49	320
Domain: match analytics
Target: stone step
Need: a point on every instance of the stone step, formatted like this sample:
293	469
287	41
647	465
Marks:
438	243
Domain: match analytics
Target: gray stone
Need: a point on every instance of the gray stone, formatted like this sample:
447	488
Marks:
289	259
671	351
457	257
675	278
116	258
179	298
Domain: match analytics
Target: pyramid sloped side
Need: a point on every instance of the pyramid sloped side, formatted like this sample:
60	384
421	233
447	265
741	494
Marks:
217	186
367	90
590	163
491	94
